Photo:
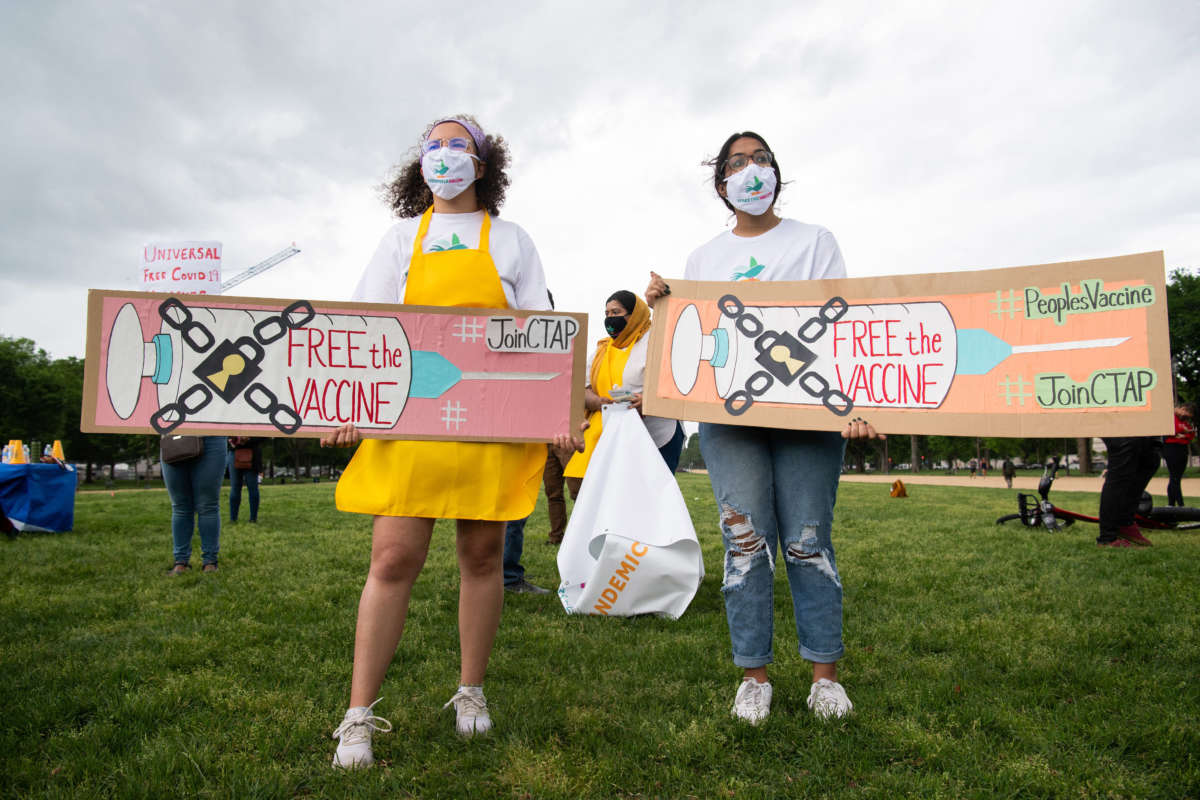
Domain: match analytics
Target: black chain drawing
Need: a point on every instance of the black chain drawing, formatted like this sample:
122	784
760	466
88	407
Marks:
777	348
230	368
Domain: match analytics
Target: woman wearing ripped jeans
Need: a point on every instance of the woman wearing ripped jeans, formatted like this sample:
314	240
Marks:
775	488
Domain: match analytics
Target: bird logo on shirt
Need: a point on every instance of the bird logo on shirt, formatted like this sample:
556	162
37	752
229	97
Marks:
455	244
751	272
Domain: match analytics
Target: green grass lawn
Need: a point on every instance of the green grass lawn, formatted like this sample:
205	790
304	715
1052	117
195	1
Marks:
983	661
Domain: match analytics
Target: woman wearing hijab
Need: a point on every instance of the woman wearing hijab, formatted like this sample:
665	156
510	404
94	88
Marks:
618	373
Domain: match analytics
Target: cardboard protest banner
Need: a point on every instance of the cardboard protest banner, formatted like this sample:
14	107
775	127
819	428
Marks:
242	365
184	267
1070	349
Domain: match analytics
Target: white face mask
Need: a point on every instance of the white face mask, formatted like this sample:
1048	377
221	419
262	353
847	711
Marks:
448	172
751	190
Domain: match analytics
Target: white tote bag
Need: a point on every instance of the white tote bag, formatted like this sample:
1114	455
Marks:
630	547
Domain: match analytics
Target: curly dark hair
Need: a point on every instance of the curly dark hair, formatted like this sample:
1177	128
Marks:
718	165
408	195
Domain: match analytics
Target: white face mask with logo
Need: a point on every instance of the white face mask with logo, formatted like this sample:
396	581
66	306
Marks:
448	172
751	189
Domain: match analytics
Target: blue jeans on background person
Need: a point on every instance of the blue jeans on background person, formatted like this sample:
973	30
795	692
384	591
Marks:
514	545
236	478
776	489
195	490
672	450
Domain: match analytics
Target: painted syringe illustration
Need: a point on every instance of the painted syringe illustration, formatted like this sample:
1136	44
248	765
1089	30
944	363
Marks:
201	354
898	355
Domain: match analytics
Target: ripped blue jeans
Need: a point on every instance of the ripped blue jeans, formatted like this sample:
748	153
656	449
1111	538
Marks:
775	489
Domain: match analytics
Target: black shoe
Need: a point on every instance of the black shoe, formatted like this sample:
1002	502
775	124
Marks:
525	587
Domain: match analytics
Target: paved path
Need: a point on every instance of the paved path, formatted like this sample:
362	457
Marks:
1027	483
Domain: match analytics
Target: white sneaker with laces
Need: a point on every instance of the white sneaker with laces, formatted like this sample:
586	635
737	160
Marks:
828	700
471	711
753	701
354	737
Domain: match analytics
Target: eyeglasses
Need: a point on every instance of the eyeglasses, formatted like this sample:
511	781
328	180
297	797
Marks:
456	143
737	162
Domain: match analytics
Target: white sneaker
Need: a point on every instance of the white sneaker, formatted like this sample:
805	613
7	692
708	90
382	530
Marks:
828	700
354	737
471	711
753	701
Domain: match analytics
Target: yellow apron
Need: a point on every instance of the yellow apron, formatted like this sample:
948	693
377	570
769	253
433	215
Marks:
445	480
610	374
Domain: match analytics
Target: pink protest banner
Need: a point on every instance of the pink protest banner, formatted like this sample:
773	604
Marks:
1071	349
226	365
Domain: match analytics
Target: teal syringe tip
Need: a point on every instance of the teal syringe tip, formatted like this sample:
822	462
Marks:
432	374
979	351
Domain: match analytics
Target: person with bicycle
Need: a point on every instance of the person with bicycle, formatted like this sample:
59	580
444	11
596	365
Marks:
1132	462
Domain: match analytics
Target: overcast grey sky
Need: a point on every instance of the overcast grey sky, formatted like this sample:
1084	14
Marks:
927	136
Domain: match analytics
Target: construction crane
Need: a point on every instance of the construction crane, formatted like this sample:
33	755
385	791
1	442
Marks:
260	267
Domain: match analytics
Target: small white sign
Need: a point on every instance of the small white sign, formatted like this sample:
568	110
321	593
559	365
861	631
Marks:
538	335
183	267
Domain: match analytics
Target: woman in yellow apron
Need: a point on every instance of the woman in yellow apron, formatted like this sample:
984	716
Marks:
447	250
620	361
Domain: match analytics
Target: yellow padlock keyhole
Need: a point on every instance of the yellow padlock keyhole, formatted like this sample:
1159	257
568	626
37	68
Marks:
233	364
783	355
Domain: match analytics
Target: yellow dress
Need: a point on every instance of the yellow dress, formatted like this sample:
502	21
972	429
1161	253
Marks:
445	480
610	373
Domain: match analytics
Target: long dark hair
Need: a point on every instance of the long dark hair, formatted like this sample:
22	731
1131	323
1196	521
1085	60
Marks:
718	165
408	195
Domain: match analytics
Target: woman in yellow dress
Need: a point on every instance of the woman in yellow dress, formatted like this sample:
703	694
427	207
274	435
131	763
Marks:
449	249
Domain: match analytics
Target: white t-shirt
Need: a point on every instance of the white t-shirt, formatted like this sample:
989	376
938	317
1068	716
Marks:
516	259
791	251
633	379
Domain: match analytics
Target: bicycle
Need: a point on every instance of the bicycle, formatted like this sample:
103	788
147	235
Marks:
1037	510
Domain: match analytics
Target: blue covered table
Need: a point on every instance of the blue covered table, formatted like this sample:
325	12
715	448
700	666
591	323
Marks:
38	497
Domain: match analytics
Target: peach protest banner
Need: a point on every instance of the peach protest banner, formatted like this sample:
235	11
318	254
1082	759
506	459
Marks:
219	365
1070	349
